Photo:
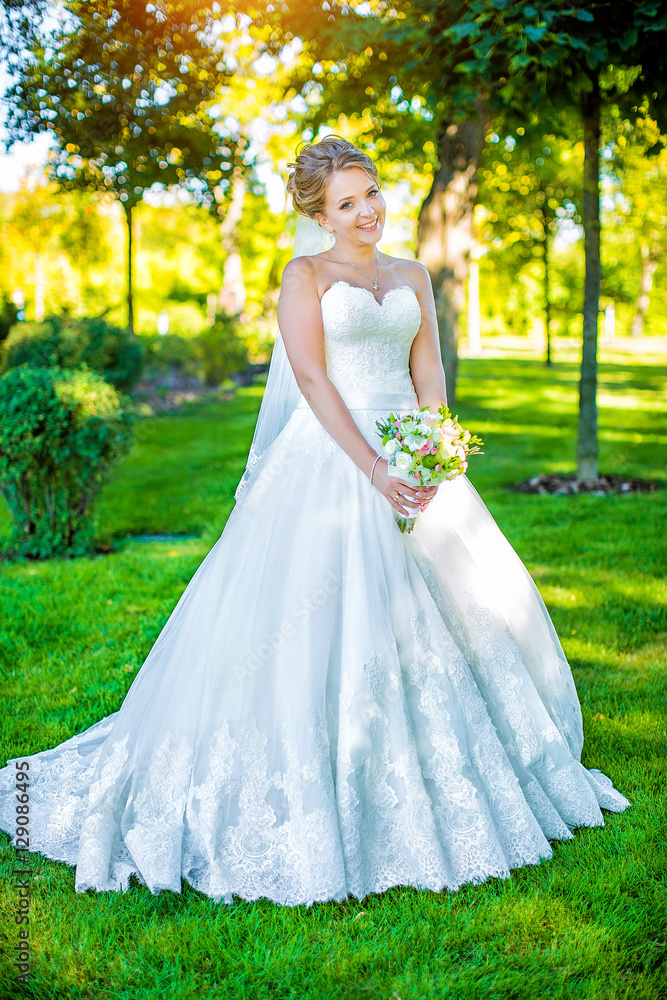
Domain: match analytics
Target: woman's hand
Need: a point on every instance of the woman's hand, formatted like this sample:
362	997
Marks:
403	497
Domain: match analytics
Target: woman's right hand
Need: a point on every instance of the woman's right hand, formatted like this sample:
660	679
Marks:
400	494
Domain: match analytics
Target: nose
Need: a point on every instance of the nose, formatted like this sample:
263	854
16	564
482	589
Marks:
368	210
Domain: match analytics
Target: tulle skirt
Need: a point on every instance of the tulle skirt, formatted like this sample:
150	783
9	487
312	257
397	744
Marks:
333	707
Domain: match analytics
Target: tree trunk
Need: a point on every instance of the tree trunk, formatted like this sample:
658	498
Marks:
130	306
474	322
587	442
445	230
649	265
38	266
232	295
547	280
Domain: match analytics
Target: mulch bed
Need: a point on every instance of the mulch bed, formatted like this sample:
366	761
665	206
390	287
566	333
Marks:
167	392
569	484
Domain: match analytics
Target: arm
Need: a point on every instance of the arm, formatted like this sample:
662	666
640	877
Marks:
428	375
300	321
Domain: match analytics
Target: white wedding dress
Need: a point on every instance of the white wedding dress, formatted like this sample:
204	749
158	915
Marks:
333	707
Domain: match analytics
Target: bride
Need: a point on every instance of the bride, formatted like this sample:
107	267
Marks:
334	707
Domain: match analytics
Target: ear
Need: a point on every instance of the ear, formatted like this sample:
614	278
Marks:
323	222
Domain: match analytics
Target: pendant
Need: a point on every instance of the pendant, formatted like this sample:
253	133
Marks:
375	285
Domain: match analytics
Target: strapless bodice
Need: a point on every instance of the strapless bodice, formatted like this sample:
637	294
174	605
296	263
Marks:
368	343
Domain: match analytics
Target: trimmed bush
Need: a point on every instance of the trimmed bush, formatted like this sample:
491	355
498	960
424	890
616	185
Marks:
8	315
170	351
67	343
259	336
221	350
61	433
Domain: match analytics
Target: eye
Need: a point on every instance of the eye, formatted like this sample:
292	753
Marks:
346	204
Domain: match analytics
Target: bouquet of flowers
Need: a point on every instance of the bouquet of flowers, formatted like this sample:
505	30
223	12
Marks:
424	448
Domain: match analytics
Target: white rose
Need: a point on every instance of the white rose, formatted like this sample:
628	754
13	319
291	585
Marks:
414	442
404	462
423	429
391	447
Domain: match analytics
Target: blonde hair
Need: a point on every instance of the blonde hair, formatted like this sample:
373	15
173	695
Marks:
314	167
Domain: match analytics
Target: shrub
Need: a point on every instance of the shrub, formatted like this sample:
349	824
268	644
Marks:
221	350
259	335
67	343
162	353
61	432
8	315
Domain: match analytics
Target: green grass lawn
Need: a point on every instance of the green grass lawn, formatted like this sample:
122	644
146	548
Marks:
590	923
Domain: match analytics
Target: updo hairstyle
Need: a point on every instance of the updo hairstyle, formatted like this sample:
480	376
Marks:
314	167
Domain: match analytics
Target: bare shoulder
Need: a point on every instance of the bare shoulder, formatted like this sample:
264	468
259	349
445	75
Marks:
299	271
410	271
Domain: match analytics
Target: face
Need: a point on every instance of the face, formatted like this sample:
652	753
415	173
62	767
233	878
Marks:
354	209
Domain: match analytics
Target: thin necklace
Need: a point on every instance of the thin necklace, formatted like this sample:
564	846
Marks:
377	268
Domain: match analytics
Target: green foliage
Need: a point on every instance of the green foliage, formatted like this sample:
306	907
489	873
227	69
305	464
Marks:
61	433
408	68
221	350
179	257
517	54
170	350
76	239
112	351
128	91
634	218
20	21
186	319
259	336
530	181
124	89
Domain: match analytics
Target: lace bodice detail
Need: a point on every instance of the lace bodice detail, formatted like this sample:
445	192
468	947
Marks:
367	343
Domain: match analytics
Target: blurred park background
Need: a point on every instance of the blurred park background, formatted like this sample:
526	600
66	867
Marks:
144	227
175	122
145	223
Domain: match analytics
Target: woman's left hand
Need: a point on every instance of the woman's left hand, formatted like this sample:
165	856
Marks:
424	494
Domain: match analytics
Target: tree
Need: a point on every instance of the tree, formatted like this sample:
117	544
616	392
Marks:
638	189
569	55
39	220
126	89
530	182
364	63
468	61
19	23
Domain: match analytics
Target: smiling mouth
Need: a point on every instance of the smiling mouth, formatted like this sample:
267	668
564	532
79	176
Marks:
369	225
